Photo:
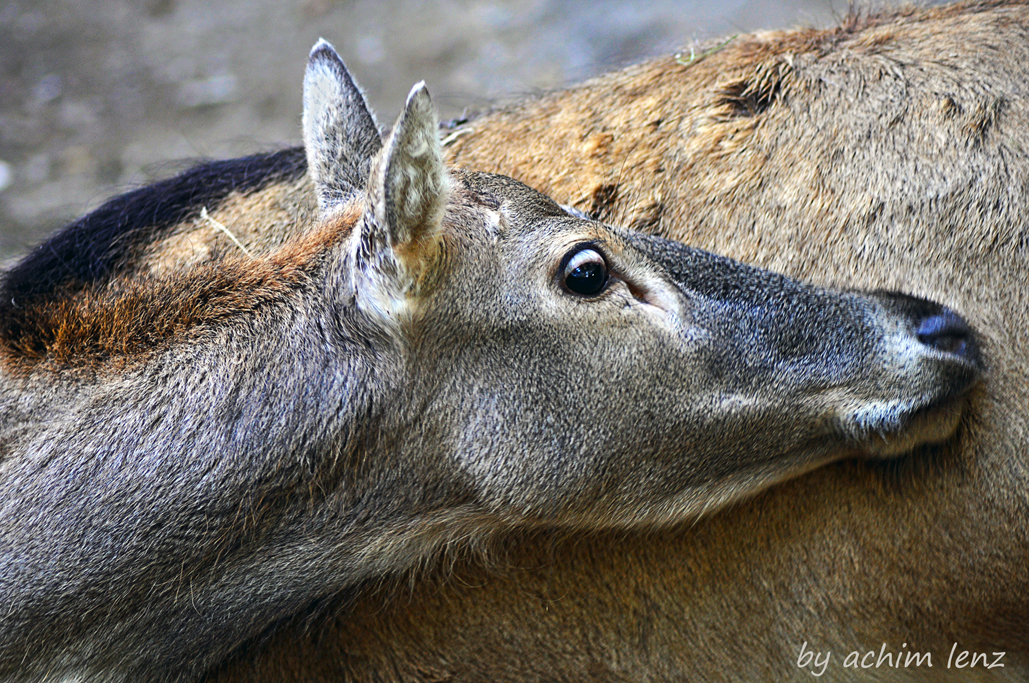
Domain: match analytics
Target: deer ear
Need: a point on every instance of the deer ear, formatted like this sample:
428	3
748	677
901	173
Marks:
406	199
340	132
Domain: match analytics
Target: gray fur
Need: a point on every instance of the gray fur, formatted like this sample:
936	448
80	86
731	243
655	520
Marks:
160	511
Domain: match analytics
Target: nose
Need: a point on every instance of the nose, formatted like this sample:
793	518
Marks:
936	327
945	331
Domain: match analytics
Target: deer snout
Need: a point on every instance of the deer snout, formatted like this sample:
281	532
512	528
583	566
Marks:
933	358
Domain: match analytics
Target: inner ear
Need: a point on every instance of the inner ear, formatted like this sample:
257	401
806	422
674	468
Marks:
400	232
414	183
410	184
340	133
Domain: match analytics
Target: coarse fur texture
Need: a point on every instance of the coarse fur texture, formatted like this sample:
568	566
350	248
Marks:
889	152
204	441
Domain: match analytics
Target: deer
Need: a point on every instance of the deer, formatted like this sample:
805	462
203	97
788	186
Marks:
200	447
886	153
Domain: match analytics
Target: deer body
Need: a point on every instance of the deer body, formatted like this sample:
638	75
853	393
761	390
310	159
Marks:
887	153
192	456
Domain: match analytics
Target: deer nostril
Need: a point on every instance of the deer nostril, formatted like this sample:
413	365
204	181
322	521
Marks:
946	332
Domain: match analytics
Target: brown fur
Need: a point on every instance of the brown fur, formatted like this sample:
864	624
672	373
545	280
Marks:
204	441
283	211
145	311
701	140
889	152
755	149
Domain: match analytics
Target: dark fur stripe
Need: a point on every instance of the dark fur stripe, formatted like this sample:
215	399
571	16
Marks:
91	249
53	302
139	312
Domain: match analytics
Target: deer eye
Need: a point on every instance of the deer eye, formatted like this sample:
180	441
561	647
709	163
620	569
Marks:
585	271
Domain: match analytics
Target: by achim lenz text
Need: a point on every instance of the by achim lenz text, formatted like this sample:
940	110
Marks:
816	662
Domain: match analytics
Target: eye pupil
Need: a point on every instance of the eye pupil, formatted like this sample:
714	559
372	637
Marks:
586	272
587	278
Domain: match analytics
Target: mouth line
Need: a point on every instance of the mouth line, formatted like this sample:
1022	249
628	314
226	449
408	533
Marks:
906	429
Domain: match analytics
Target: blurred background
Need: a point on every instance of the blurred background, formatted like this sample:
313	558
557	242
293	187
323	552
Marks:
100	96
